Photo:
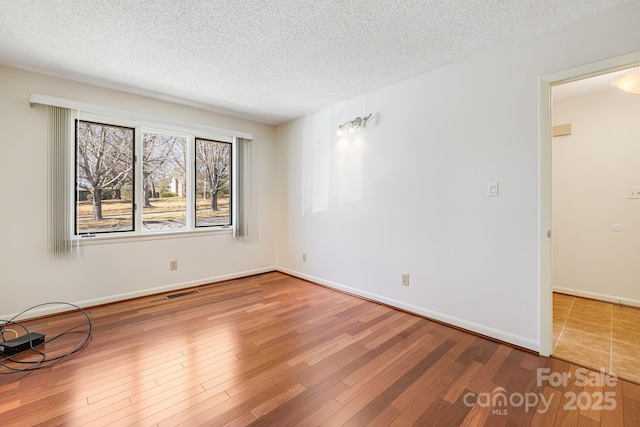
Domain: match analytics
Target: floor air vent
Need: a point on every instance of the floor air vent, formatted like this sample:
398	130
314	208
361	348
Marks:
182	294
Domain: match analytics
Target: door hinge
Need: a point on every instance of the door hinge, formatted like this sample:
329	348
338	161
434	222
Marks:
549	233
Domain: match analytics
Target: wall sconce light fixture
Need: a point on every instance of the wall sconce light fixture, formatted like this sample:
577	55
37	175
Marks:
352	125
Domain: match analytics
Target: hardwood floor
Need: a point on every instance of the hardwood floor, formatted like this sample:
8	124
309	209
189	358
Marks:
274	350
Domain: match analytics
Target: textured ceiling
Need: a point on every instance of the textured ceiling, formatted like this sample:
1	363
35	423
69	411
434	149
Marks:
270	61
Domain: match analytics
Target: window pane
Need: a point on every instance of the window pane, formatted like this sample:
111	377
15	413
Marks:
104	178
213	183
164	181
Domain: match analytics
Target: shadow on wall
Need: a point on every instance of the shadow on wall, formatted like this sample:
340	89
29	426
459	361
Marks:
332	166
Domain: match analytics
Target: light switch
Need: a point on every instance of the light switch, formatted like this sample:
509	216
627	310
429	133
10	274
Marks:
492	189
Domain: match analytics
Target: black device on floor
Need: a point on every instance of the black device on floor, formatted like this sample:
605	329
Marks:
20	344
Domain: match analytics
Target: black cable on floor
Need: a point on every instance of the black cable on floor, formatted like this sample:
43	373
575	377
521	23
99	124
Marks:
42	361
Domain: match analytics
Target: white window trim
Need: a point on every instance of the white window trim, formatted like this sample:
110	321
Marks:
143	122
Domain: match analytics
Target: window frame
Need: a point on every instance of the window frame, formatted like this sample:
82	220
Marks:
134	171
140	193
232	185
159	127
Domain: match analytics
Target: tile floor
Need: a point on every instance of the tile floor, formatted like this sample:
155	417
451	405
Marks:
597	335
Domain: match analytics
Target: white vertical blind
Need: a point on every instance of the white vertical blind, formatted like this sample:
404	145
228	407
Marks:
59	241
243	186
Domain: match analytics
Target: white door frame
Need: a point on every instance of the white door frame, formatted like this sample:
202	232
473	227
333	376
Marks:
545	332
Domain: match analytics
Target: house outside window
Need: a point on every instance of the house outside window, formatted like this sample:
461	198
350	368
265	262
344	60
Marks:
131	180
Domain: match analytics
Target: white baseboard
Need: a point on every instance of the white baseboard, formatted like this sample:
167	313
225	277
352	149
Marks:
54	309
597	296
460	323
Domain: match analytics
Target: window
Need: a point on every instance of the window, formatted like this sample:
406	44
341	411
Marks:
213	185
98	178
143	179
164	180
104	178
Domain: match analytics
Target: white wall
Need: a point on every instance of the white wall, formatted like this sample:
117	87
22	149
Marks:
407	194
592	169
106	272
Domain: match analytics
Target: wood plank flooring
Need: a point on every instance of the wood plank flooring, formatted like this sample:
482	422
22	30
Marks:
273	350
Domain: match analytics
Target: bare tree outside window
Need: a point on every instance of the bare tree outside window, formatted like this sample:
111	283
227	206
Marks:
104	178
213	183
111	195
164	181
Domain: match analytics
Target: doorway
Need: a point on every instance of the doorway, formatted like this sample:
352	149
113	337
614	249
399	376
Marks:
596	226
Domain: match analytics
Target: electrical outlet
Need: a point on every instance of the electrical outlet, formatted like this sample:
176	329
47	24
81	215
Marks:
304	257
405	279
173	264
633	192
291	254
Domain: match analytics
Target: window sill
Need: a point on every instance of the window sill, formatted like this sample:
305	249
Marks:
158	235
